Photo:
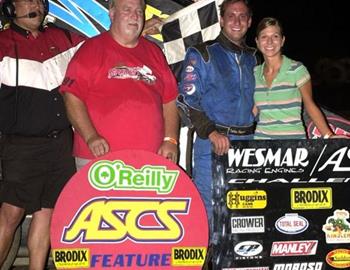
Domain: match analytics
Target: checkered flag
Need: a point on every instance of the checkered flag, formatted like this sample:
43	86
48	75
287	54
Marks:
192	25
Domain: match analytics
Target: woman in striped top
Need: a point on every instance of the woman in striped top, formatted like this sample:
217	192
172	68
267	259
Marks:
282	86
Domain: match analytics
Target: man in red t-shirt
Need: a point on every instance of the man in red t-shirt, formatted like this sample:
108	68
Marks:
119	91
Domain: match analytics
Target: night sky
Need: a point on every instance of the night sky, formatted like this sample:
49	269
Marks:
316	34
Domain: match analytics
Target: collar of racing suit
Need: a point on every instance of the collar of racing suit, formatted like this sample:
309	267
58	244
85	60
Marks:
226	43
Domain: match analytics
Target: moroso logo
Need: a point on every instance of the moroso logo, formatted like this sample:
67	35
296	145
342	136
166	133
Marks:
249	224
294	248
93	221
311	198
339	258
71	258
116	175
291	224
246	199
188	256
299	266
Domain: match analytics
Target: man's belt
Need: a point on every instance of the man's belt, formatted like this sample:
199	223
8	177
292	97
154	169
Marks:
236	130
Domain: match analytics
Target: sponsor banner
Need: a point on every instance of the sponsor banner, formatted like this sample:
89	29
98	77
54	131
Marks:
247	224
339	258
294	248
296	186
131	209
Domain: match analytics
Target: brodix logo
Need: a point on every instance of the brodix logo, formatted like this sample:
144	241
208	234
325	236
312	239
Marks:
116	175
71	258
113	220
311	198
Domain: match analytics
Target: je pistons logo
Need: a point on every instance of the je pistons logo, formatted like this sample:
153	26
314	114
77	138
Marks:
116	175
246	199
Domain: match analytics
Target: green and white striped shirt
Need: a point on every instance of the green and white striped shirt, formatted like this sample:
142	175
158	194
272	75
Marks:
280	115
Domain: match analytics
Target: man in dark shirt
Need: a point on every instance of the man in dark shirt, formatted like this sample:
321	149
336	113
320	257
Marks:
35	135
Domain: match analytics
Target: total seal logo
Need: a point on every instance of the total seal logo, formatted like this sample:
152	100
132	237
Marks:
246	199
133	209
339	258
291	224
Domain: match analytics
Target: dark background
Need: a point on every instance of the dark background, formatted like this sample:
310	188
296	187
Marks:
317	35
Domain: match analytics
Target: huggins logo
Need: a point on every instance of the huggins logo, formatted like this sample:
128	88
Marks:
115	175
113	220
246	199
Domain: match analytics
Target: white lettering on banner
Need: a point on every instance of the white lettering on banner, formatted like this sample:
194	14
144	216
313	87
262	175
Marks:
299	266
286	181
294	248
251	224
336	160
262	157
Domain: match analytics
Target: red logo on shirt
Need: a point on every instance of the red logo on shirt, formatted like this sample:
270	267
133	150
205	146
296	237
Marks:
135	73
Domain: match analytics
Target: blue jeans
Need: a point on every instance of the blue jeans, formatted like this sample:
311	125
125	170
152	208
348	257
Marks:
202	171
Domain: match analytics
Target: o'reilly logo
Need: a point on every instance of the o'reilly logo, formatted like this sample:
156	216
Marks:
248	224
311	198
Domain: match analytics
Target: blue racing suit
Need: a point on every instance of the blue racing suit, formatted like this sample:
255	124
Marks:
217	86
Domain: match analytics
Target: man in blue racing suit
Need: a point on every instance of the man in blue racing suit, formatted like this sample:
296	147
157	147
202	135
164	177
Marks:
216	89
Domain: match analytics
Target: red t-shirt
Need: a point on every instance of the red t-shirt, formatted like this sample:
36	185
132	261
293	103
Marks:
123	90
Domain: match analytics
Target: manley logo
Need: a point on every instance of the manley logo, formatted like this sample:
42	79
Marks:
294	248
246	199
311	198
337	228
116	175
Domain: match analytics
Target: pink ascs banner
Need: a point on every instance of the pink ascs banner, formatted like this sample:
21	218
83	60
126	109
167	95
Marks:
132	210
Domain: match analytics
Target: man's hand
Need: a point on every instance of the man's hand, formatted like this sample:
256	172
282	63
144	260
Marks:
221	143
152	25
169	151
97	145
